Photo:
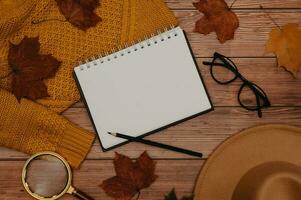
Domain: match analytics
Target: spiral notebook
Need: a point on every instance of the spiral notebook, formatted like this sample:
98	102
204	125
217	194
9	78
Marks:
143	88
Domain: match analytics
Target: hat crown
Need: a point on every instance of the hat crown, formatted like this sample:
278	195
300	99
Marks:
272	180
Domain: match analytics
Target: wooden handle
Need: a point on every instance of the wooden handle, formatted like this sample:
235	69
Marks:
80	195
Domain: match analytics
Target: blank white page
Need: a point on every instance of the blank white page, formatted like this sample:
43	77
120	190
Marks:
143	88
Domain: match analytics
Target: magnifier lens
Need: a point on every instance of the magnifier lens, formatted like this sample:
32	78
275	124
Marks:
46	176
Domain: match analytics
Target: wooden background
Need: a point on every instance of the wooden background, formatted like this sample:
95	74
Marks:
203	133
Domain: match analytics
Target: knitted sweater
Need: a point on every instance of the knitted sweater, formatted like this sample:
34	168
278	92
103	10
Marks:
123	21
32	128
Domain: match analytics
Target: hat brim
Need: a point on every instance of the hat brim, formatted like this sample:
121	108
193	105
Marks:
243	151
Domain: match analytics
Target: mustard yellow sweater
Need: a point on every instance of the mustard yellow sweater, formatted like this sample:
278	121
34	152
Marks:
34	126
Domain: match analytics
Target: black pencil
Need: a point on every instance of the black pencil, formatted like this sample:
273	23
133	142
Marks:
157	144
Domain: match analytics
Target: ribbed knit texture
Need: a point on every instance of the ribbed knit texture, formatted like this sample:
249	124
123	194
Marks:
31	127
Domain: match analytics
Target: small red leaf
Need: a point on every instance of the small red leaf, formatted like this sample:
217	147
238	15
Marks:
80	13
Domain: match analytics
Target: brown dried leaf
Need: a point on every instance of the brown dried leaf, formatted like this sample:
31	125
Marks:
286	44
217	17
90	4
30	68
130	177
80	13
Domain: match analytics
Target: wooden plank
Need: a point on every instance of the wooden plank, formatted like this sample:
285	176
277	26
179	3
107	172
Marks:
279	85
203	133
187	4
180	175
250	38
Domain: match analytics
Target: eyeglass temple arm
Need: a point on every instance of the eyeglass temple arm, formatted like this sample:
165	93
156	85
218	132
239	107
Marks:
259	112
259	92
226	65
258	95
210	63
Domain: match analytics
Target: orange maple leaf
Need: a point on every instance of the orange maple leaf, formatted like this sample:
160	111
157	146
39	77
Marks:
286	44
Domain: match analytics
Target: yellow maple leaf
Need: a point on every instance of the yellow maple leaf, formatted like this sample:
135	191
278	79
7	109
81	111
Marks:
286	44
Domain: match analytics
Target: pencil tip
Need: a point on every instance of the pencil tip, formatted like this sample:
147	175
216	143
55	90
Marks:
114	134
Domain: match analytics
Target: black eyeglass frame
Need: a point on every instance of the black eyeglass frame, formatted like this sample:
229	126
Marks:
230	65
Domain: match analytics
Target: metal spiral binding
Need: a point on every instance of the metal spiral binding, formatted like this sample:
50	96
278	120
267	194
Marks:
124	49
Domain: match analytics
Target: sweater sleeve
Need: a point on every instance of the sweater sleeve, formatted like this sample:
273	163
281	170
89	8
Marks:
31	128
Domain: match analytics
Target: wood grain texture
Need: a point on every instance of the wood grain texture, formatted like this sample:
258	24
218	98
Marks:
203	133
250	38
179	174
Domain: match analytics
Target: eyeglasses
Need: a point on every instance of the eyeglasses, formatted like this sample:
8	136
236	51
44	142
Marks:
261	98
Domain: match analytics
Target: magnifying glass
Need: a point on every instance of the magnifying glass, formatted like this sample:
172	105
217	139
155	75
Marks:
47	176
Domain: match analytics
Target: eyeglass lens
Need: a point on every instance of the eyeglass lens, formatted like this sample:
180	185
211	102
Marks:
222	71
246	97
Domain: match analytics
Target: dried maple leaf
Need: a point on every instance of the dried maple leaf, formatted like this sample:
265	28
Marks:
30	68
90	4
286	44
172	196
80	13
130	177
217	17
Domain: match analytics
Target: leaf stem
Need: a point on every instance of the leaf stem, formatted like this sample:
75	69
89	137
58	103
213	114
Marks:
232	4
45	20
7	75
269	16
138	195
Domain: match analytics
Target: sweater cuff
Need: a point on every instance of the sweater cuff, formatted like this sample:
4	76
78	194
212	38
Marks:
75	144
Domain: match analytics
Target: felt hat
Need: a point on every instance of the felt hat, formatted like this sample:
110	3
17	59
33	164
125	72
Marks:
259	163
